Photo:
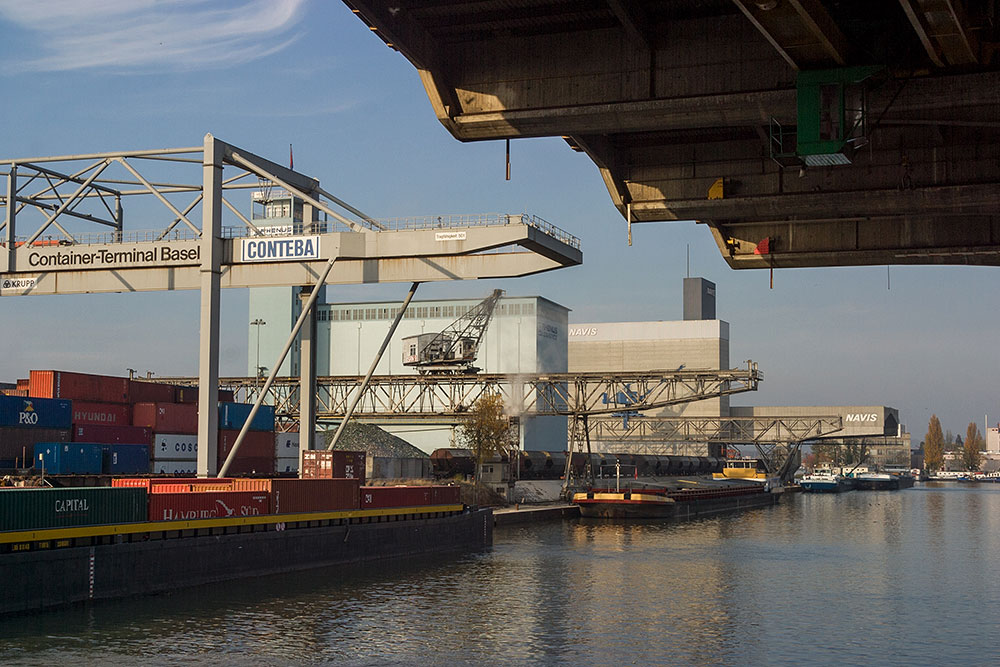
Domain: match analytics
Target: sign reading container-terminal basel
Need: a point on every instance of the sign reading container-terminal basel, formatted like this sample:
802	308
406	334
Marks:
109	256
280	249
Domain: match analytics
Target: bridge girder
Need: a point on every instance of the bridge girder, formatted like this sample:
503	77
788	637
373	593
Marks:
669	99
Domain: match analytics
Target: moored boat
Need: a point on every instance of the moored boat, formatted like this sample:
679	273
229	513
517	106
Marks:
823	481
676	503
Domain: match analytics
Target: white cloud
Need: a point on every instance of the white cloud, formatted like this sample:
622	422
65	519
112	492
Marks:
148	34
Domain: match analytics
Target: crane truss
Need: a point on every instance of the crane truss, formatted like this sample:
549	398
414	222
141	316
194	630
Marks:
729	430
406	397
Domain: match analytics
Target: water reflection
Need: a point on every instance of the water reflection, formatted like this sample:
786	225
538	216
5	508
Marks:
817	579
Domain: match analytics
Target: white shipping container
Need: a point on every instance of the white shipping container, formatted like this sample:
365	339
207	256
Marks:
286	465
173	447
286	445
175	467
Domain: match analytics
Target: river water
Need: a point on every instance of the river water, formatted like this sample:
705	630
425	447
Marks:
908	577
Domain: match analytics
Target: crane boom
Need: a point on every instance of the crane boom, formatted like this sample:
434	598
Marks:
455	348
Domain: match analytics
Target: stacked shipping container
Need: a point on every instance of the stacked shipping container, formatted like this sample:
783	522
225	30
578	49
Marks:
25	421
107	410
323	464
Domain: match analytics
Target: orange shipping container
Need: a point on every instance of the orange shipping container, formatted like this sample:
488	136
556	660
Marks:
83	386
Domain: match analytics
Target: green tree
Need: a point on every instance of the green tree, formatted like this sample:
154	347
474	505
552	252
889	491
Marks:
486	431
972	456
934	445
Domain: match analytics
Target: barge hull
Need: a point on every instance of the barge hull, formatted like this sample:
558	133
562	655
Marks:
675	511
39	579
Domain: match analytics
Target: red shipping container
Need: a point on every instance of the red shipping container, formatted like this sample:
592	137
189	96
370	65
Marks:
178	418
110	435
256	444
446	495
289	496
184	394
150	392
110	414
186	506
253	465
83	386
323	464
379	497
19	442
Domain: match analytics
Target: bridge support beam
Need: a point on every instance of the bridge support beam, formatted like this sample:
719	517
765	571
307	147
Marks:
211	296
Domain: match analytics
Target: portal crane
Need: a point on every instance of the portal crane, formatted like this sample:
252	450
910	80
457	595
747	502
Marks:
454	349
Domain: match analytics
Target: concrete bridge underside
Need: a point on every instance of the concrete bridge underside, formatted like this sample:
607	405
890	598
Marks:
676	102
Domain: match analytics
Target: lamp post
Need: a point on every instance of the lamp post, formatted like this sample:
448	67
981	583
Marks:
258	323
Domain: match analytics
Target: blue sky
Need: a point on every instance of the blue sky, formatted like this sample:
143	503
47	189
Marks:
107	75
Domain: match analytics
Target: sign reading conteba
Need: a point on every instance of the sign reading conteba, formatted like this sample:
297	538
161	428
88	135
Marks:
284	249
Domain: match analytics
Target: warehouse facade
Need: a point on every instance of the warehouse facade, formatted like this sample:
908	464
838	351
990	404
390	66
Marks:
526	335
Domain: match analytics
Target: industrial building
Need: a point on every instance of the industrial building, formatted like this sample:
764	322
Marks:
527	334
532	335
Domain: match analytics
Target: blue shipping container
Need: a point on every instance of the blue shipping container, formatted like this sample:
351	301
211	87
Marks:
69	458
128	459
35	412
232	416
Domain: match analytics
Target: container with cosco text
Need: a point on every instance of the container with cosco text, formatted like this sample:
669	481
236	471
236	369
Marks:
174	447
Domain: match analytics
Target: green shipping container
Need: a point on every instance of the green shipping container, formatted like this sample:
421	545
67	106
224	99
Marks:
33	509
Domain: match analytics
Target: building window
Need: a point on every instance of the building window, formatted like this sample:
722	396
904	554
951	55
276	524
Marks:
529	309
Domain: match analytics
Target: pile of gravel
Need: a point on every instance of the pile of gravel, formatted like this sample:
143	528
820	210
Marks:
374	441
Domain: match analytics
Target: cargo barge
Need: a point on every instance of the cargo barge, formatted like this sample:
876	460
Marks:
48	559
677	504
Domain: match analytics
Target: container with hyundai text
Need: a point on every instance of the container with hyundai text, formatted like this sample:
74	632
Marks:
106	414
